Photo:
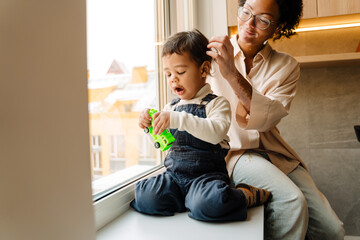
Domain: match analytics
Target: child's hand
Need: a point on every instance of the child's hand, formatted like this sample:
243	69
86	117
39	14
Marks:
161	122
145	119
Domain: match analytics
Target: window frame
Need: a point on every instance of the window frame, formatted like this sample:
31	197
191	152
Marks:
117	202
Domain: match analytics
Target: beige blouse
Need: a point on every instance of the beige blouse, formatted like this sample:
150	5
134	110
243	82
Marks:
273	78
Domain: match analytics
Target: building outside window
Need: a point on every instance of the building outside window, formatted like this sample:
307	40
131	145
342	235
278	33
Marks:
146	153
122	80
117	153
96	155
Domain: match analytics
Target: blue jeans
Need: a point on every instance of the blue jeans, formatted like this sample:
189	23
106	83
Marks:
297	208
207	197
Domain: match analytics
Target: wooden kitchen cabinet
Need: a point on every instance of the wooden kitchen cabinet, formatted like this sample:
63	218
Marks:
328	8
309	9
335	47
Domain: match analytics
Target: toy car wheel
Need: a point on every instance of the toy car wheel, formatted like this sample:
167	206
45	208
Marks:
146	130
157	145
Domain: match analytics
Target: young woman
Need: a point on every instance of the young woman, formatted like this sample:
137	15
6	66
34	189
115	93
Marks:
260	84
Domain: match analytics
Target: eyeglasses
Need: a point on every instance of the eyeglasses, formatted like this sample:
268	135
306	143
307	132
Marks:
261	22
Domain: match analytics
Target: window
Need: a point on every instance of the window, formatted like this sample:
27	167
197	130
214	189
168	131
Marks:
96	156
117	153
146	153
123	79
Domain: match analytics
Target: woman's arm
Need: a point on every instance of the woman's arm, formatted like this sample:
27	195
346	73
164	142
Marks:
224	56
259	108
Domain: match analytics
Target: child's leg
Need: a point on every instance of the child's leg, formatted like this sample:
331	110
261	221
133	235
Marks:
158	195
210	198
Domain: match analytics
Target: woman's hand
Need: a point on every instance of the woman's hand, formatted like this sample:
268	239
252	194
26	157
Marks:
224	56
225	59
145	119
161	122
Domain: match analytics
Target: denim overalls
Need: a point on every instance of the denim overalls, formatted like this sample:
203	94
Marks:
196	179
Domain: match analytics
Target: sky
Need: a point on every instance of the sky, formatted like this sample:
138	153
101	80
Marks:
120	30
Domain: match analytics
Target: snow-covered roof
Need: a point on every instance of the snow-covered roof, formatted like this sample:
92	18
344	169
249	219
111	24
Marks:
143	93
119	80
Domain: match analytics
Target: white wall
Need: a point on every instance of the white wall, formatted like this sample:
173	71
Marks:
211	17
45	190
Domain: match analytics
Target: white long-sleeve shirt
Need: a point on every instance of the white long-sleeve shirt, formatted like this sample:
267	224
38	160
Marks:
213	128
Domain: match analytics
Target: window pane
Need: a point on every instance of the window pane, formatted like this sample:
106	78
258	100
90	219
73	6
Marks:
122	80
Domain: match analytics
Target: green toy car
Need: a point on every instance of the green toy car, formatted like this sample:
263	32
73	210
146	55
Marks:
163	140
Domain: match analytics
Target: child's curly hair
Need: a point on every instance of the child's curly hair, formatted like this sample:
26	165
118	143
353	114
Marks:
290	15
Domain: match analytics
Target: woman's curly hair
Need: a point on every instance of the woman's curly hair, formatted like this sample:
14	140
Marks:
290	15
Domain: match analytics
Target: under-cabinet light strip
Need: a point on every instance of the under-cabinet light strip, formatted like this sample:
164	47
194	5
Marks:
327	27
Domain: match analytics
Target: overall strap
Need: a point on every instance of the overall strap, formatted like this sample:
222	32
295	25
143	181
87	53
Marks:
203	102
175	101
206	100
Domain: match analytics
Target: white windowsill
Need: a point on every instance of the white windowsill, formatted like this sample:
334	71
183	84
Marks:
135	226
116	220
